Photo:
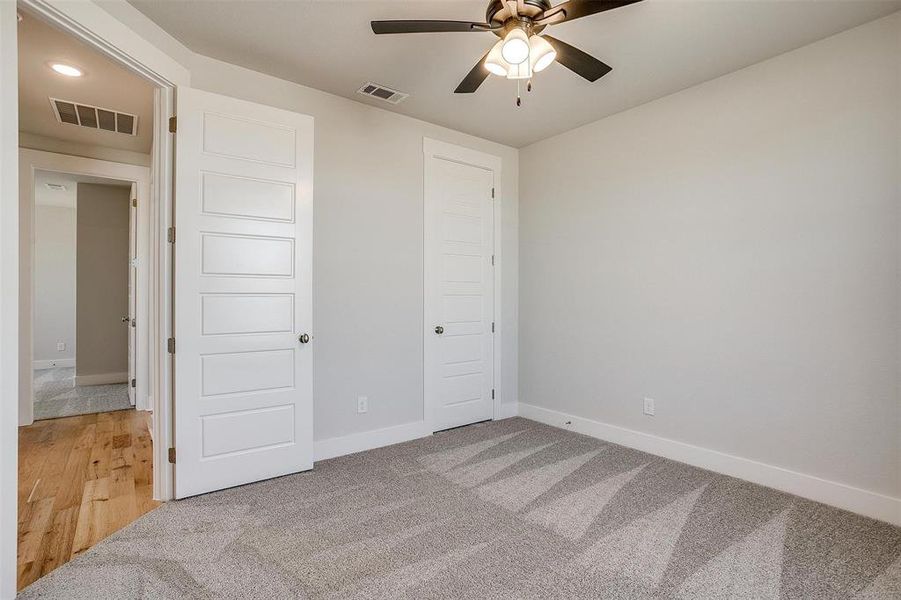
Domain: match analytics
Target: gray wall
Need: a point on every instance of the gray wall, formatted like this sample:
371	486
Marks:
54	282
731	251
102	276
368	249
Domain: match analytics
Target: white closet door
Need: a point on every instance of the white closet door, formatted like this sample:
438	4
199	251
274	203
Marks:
459	339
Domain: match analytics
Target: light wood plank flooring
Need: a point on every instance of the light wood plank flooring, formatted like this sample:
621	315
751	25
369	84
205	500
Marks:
80	479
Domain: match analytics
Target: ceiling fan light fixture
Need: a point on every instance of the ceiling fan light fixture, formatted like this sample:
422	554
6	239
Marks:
516	47
495	62
541	53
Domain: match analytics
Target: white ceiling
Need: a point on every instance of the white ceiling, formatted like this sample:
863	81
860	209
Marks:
43	196
656	47
104	84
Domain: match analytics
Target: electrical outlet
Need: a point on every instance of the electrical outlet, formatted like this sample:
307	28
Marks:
362	404
649	407
60	346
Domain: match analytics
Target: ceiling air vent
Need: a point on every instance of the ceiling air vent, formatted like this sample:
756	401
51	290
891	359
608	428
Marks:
382	93
94	117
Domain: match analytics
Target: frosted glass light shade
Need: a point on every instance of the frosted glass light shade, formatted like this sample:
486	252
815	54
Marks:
495	62
541	53
516	47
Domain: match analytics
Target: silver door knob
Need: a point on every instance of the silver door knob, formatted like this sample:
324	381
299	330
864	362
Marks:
439	329
304	338
126	319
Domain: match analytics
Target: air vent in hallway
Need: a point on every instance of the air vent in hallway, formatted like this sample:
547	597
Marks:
382	93
94	117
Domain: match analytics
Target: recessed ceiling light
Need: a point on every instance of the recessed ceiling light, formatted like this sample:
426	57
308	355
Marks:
67	70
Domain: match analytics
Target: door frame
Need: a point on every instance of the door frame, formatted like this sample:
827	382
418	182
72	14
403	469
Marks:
99	29
38	160
437	149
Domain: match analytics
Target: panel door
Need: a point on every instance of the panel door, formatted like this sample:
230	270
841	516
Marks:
242	314
459	344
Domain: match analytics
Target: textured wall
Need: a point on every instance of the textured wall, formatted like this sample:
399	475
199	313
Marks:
54	282
731	251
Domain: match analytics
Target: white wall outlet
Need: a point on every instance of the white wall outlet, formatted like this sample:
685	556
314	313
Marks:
362	404
649	407
60	346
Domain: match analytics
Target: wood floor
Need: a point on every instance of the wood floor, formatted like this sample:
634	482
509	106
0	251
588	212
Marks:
80	479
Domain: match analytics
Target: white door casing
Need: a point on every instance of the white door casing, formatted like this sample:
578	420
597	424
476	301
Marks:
132	281
459	262
243	290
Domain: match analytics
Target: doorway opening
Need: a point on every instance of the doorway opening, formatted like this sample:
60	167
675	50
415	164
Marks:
84	302
91	312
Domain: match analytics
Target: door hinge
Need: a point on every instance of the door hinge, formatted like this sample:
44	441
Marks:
492	393
173	124
134	382
134	202
492	327
492	260
170	345
170	235
492	192
172	455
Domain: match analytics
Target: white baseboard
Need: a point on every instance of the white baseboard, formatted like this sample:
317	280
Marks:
369	440
870	504
40	365
101	379
507	410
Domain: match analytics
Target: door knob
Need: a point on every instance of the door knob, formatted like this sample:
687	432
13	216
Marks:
304	338
126	319
439	329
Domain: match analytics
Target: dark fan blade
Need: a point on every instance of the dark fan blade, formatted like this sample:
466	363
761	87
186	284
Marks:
474	78
427	26
576	9
577	61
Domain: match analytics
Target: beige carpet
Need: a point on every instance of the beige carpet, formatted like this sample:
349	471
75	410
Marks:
511	509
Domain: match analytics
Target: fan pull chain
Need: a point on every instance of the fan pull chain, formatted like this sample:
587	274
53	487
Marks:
529	87
518	95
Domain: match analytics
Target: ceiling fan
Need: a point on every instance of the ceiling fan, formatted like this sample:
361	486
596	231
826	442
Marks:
521	51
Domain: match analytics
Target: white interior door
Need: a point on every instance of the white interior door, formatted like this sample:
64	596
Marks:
459	293
243	242
132	280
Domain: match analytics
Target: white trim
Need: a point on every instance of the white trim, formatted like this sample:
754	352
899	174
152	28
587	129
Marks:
34	160
56	363
870	504
102	378
508	410
161	293
9	297
369	440
432	148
